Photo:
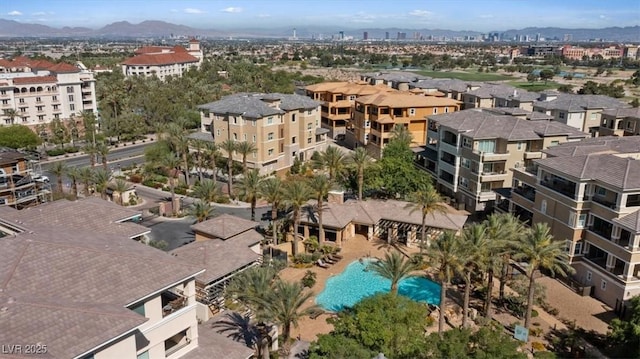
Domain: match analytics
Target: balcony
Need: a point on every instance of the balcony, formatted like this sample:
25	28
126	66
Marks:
526	192
493	176
492	156
601	230
604	202
532	155
565	188
172	302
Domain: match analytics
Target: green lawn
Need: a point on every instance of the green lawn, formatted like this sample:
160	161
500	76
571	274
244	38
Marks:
536	86
467	76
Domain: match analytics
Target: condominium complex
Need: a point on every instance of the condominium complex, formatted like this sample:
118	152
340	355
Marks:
589	194
470	152
35	92
281	126
21	184
376	116
620	122
163	61
338	102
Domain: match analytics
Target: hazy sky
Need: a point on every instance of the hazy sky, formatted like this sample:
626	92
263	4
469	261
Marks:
480	15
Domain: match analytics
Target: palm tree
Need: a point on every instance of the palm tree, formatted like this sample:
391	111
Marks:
206	191
12	114
394	267
120	186
85	174
171	162
427	201
201	211
284	305
332	160
296	194
271	190
474	243
91	149
251	287
495	234
59	170
199	146
401	133
181	144
249	189
444	255
103	150
101	180
244	148
512	230
212	154
229	146
320	186
361	160
539	249
74	174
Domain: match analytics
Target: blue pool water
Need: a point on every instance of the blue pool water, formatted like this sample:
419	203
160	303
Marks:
354	284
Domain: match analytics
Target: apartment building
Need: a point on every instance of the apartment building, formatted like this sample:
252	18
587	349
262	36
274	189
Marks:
282	127
21	183
376	116
578	111
589	194
35	92
450	88
620	122
397	80
163	61
72	290
338	102
469	153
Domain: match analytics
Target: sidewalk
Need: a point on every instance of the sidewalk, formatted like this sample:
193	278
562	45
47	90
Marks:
149	139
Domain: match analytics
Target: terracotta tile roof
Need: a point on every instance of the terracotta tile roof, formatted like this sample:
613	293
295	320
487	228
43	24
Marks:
34	80
152	49
63	68
161	59
224	226
5	63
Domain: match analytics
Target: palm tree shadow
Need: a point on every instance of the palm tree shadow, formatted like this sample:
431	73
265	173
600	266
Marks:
238	327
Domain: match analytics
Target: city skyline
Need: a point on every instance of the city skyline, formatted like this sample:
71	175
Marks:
489	15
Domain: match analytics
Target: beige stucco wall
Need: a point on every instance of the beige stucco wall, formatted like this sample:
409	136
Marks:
125	348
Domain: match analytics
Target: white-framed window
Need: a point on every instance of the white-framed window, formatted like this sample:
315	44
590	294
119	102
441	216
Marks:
520	146
270	152
446	110
270	136
582	219
465	162
235	136
603	284
412	112
244	137
463	182
577	250
217	132
72	107
594	116
254	138
309	140
543	206
269	120
589	276
435	110
467	142
309	126
367	124
70	98
366	137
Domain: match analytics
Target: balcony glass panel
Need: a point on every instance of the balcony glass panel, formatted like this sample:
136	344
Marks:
560	185
633	200
450	138
525	191
597	256
603	201
601	227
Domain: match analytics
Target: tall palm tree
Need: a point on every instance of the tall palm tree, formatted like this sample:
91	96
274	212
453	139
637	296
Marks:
201	211
284	305
74	174
181	144
212	154
394	267
103	150
229	146
428	202
512	229
244	148
361	160
495	233
85	174
199	155
474	243
540	250
401	133
249	189
251	287
444	255
120	186
271	190
332	160
296	194
59	170
92	150
171	162
320	185
206	191
101	180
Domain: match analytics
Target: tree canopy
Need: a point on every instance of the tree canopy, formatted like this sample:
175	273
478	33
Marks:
626	333
18	136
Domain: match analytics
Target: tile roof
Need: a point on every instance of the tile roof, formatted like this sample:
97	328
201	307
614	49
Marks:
630	221
485	124
623	112
63	68
396	100
161	59
605	144
577	103
349	88
445	85
34	80
224	226
220	257
256	105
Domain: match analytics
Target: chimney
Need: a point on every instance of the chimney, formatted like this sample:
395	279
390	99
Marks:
336	197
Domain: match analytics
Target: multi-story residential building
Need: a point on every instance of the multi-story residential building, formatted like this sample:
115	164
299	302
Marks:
396	80
281	126
78	292
35	92
620	122
375	117
450	88
589	194
338	101
469	153
163	61
578	111
21	184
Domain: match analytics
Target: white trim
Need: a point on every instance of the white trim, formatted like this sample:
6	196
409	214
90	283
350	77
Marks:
191	276
172	316
130	331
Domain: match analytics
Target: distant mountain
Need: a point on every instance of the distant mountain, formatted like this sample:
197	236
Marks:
151	28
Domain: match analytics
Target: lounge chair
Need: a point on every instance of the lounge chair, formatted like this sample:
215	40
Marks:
322	264
329	260
335	257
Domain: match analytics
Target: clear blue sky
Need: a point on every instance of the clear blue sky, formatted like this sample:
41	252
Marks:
479	15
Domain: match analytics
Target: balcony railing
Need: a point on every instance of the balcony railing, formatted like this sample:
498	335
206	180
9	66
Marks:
528	193
561	188
604	232
172	302
604	202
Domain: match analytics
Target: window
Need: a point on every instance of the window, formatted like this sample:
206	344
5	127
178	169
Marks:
72	107
139	309
603	284
56	116
435	110
554	143
309	112
520	146
293	117
589	276
293	139
543	206
487	146
254	138
40	118
54	98
463	182
309	126
21	100
446	110
269	120
235	120
235	136
270	136
309	140
270	151
352	97
582	219
55	107
412	112
25	119
467	142
244	137
70	98
465	162
577	250
38	99
69	89
253	123
217	132
40	108
367	124
561	114
601	191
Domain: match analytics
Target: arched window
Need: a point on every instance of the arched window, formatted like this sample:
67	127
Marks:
32	89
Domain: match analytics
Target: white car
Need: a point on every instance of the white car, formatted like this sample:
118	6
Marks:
41	178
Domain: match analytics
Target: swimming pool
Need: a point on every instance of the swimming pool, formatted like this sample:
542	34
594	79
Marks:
354	284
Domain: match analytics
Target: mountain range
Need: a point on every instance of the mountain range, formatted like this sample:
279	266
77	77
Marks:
151	28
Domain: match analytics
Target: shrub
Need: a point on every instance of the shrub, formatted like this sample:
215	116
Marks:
181	190
223	200
309	279
534	313
159	244
149	183
537	346
72	149
135	178
56	152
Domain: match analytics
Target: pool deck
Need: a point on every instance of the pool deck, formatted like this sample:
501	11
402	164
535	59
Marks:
352	250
